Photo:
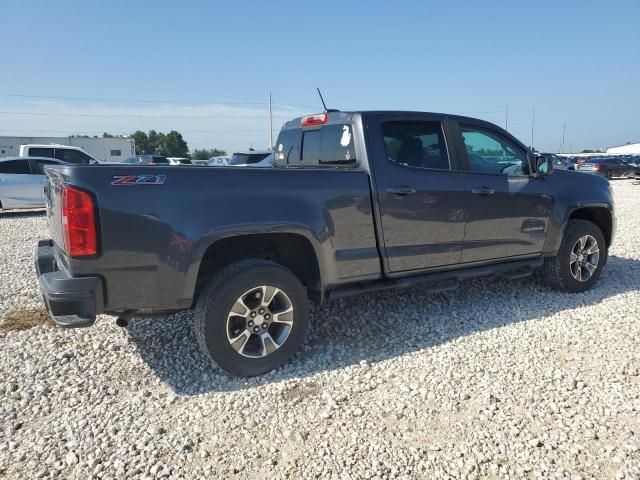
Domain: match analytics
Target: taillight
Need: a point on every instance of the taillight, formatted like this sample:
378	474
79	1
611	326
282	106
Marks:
597	166
78	223
317	119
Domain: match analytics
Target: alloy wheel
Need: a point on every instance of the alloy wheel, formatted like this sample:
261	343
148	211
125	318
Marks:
584	258
260	321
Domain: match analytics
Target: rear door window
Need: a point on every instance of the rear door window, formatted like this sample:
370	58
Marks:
41	152
15	167
72	156
416	143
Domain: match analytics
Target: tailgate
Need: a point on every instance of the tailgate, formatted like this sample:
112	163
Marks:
53	202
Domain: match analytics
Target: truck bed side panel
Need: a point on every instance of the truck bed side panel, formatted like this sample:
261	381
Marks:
153	237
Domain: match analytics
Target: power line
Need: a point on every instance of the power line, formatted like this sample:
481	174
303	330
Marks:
225	117
141	100
100	132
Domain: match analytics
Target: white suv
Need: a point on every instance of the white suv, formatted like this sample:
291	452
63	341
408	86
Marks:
66	153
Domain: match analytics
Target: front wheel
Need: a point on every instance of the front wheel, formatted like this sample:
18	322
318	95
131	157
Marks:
582	255
251	317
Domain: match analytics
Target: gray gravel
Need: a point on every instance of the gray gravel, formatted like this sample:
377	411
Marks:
496	380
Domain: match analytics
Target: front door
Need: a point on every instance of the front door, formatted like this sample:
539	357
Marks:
420	196
507	209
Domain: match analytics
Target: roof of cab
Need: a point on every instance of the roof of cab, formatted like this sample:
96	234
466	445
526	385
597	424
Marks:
336	116
252	152
6	159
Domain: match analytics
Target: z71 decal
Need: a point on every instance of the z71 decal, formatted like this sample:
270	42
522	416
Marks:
138	179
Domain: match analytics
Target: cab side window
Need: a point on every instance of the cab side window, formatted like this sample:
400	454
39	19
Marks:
41	152
418	144
15	167
490	152
37	166
72	156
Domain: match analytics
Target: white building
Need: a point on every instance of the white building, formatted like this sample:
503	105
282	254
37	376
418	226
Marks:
627	149
106	149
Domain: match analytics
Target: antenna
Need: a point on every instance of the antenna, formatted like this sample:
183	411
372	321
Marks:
328	110
322	100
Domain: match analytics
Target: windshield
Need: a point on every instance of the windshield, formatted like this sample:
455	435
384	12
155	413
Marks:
247	158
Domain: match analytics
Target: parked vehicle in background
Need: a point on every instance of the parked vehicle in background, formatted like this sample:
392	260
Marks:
633	162
265	162
221	161
559	163
248	157
21	181
147	160
179	161
607	167
200	163
355	202
65	153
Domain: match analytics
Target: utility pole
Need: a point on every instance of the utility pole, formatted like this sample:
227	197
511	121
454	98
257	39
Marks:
270	124
506	116
564	132
533	118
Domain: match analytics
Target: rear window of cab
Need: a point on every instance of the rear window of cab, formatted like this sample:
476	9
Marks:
329	145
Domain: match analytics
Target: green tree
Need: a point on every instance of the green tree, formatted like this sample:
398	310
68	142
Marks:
204	154
107	135
154	142
172	144
141	140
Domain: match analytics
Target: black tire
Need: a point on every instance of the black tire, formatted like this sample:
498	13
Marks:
609	174
217	299
556	271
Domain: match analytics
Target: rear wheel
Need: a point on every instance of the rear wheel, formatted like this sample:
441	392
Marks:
251	317
609	174
579	262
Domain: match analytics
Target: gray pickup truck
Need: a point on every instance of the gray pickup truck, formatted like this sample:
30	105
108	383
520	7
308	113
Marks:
355	202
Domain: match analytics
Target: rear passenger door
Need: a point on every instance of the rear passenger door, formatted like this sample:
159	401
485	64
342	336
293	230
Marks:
420	193
18	188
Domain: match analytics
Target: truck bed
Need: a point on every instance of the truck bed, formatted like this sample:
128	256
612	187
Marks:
153	236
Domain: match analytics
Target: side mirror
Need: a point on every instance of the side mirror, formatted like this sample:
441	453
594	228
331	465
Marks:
543	165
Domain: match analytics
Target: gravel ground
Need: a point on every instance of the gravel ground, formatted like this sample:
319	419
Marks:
496	380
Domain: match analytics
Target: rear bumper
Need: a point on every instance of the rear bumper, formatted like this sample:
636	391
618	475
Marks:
593	172
71	301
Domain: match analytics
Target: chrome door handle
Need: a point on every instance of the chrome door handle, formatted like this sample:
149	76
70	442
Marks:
401	190
483	191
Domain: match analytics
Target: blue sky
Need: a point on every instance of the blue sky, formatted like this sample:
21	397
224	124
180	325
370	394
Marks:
205	67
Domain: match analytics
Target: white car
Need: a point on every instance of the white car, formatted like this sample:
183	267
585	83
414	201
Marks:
21	181
252	158
179	161
221	161
65	153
